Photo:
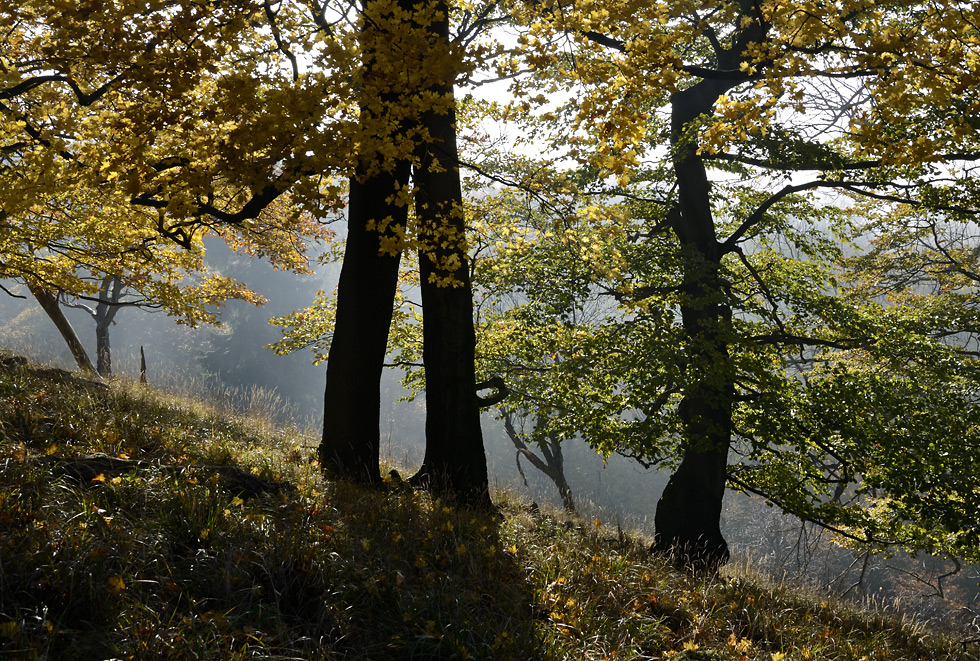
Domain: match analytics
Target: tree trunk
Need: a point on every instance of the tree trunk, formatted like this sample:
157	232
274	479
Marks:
556	459
49	303
110	292
455	462
103	357
688	517
351	444
350	447
553	465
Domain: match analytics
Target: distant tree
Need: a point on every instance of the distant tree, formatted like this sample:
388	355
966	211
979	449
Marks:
551	462
77	261
109	298
49	303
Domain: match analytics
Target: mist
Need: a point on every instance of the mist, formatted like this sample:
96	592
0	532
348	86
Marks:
231	366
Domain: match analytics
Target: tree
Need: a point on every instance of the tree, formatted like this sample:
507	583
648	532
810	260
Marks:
115	164
552	465
170	151
717	126
411	123
454	462
377	224
49	303
109	299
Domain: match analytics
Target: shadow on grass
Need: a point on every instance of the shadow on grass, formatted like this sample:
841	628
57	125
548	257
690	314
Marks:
148	567
158	564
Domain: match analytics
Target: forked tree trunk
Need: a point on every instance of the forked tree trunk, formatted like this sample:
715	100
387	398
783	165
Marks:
455	463
49	303
110	293
553	464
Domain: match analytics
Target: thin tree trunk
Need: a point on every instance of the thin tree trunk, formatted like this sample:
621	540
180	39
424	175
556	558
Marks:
110	292
103	357
455	462
49	303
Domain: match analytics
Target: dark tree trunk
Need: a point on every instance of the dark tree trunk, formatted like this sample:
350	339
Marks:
688	517
351	443
49	303
567	499
455	463
350	446
110	293
555	458
553	465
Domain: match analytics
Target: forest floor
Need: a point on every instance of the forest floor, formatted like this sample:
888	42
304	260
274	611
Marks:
140	525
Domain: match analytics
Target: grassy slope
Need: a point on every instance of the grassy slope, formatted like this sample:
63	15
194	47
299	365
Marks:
166	563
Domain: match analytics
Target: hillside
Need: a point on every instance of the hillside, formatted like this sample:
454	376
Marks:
135	524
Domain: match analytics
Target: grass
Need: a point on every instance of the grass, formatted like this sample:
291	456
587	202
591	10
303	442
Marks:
164	563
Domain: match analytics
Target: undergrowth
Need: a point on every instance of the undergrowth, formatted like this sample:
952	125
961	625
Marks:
162	562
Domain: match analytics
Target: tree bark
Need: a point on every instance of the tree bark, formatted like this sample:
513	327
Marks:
49	303
688	516
103	355
455	462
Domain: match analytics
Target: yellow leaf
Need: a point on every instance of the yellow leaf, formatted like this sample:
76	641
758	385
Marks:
99	478
116	584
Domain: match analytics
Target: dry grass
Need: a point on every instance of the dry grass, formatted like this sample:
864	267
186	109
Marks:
160	564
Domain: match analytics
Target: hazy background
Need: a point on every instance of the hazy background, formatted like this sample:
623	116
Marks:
231	364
